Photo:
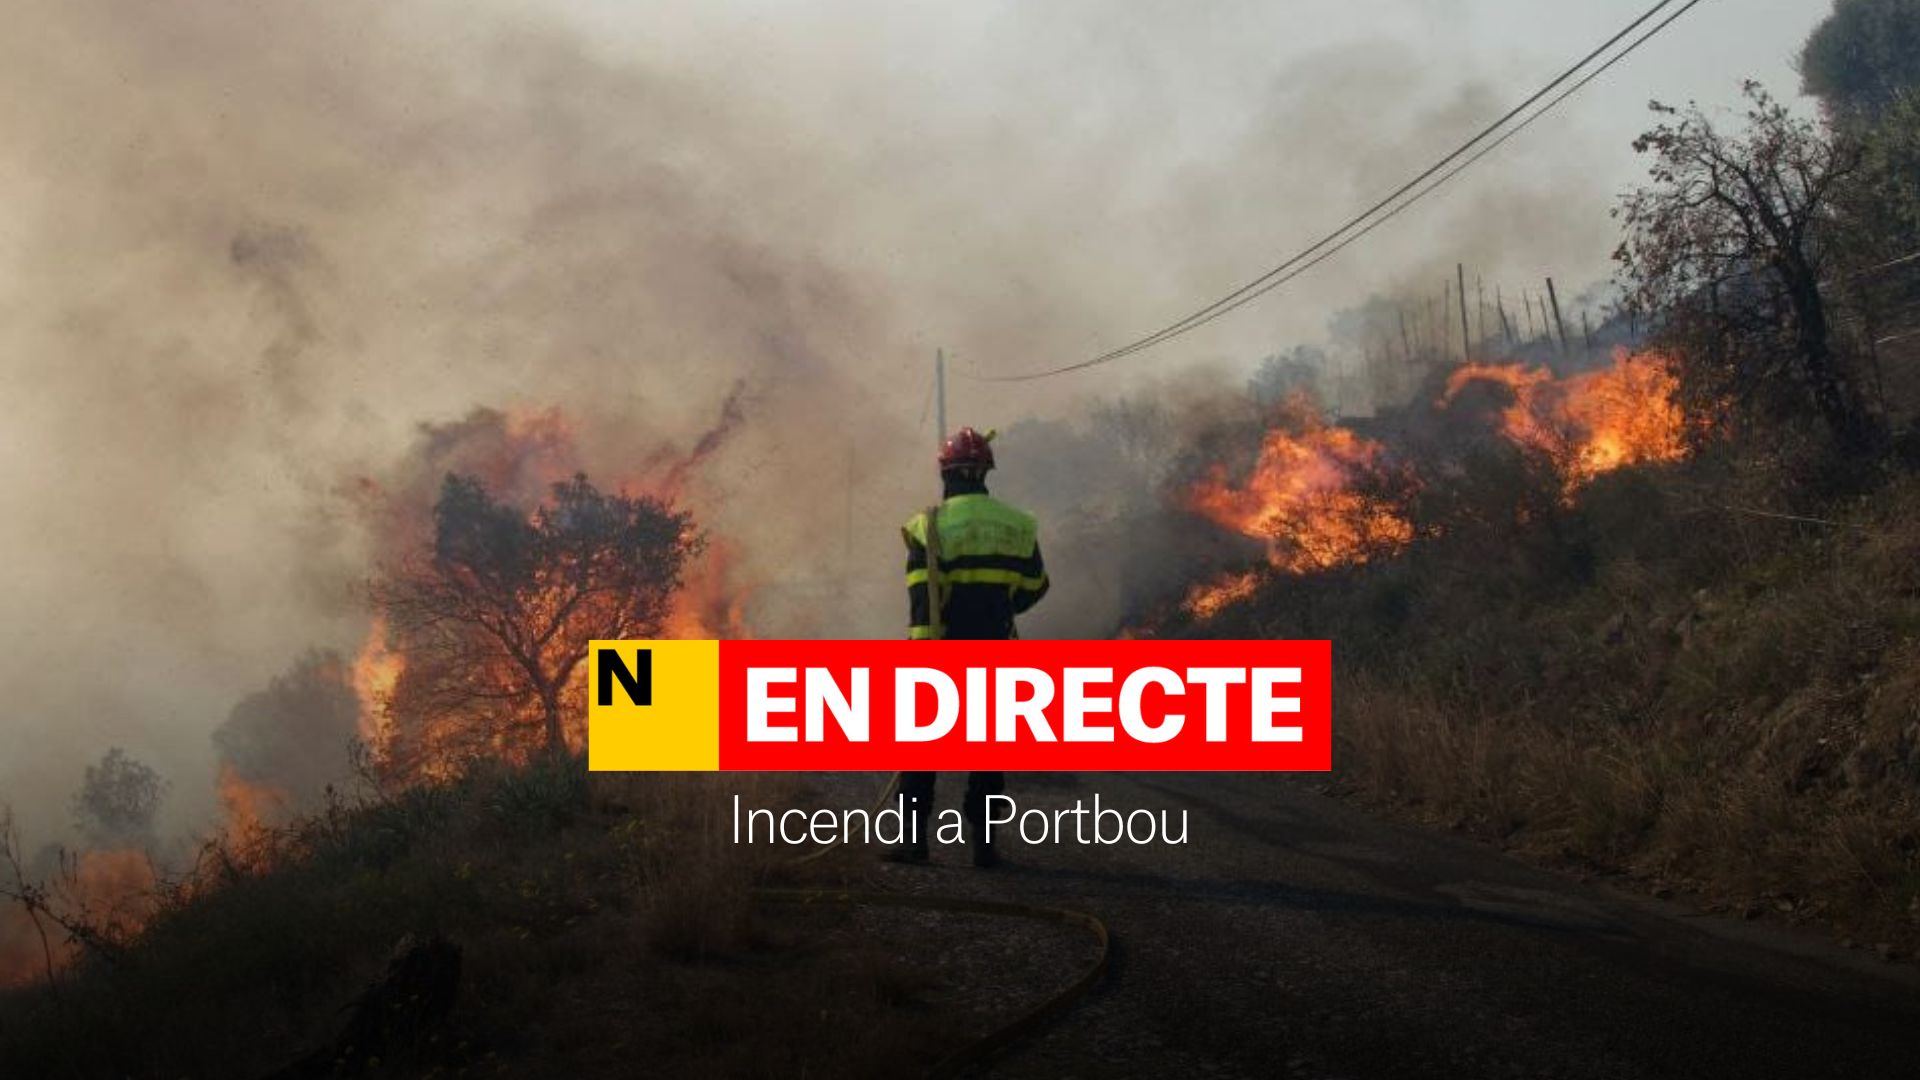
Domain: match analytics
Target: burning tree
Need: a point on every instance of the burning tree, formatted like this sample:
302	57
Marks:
1730	244
495	619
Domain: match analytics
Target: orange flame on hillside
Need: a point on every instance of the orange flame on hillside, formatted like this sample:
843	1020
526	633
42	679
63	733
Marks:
1207	600
1304	500
112	891
1592	422
248	806
376	671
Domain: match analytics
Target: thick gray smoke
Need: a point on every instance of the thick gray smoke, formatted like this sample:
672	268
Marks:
247	249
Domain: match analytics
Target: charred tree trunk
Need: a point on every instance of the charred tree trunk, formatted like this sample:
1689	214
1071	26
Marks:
1833	393
1466	336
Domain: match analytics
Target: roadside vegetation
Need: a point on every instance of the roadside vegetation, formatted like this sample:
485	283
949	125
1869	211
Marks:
1704	673
1654	680
525	921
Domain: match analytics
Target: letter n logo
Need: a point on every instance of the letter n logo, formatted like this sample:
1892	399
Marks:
637	681
648	720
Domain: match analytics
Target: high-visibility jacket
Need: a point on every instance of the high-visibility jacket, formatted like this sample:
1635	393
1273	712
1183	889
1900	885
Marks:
989	571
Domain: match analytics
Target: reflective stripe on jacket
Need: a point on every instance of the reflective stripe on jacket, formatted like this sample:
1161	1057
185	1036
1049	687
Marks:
990	568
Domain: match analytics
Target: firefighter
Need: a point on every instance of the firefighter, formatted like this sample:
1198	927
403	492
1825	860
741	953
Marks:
986	569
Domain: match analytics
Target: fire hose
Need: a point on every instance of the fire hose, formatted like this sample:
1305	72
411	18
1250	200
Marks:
1021	1026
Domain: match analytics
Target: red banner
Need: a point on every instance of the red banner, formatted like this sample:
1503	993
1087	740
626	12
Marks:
963	705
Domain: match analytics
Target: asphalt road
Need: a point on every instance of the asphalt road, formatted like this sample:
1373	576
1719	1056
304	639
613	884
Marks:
1295	936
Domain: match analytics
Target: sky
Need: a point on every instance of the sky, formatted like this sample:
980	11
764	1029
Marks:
1145	100
256	257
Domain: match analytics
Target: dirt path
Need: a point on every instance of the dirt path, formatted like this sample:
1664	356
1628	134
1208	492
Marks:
1295	936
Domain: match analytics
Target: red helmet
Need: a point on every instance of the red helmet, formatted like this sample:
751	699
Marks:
967	449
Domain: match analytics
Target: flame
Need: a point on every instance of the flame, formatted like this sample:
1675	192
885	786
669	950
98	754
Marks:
1204	601
1302	499
111	890
249	806
711	603
1592	422
117	885
376	671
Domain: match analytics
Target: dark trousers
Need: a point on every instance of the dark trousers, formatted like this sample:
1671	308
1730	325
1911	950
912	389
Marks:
917	787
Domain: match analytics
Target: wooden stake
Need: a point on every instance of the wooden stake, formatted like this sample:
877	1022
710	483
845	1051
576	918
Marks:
1466	343
1480	309
1557	320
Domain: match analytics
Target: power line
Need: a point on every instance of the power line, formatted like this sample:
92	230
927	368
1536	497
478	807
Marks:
1313	255
1443	178
1888	265
1279	274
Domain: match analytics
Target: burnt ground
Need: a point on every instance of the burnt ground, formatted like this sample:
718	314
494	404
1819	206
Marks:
1294	935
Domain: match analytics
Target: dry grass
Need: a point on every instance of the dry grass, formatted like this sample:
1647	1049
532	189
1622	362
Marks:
602	921
1713	701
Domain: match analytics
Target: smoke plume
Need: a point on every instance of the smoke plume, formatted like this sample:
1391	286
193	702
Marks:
254	257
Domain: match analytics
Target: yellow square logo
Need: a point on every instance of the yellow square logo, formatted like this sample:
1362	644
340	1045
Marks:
653	706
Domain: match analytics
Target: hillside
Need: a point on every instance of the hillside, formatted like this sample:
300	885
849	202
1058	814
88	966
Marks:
520	922
1675	676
